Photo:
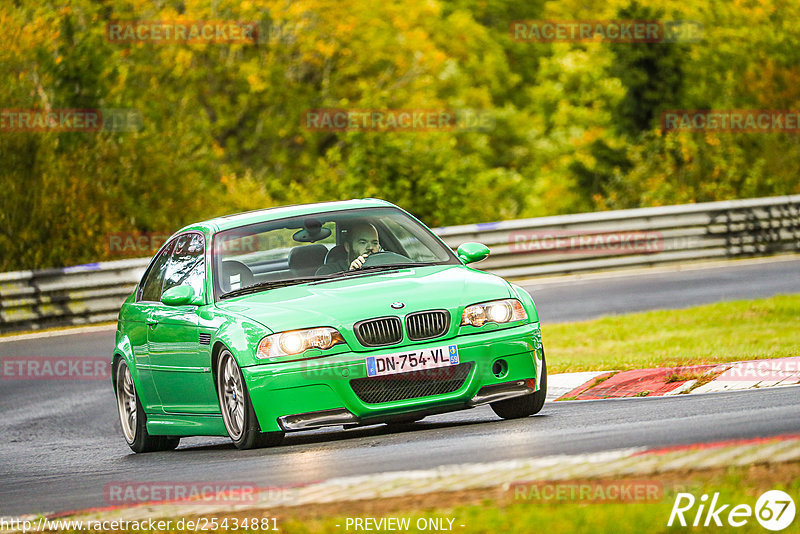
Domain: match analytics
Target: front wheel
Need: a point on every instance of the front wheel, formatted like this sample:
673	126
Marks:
525	405
132	416
237	409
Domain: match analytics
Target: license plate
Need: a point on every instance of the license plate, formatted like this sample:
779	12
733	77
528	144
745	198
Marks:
412	360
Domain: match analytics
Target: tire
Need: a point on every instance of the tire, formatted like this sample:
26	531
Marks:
132	417
526	405
237	409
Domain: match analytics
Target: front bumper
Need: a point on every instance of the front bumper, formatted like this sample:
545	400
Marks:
312	393
344	417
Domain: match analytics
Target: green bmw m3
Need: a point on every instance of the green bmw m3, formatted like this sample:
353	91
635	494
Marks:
299	317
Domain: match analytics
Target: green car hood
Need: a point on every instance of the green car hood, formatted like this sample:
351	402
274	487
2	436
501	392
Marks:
344	302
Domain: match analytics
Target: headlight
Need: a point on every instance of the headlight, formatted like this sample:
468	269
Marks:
297	341
496	311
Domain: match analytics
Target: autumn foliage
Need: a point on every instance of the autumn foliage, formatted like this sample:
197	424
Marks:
574	125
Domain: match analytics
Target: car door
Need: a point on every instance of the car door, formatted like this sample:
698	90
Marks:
147	296
181	369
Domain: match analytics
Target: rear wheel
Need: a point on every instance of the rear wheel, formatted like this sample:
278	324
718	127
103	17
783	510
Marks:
132	416
525	405
237	409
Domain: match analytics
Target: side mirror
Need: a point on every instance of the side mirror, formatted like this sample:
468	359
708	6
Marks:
472	252
178	296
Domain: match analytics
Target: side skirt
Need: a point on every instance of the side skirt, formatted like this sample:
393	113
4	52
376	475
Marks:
185	425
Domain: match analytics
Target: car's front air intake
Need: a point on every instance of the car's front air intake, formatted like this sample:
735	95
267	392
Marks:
427	324
379	332
411	385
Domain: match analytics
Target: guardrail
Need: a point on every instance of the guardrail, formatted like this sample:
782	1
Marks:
520	249
633	238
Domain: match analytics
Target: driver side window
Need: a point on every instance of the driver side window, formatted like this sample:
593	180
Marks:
187	265
154	279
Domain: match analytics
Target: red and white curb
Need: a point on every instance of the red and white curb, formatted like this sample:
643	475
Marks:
666	381
629	462
559	385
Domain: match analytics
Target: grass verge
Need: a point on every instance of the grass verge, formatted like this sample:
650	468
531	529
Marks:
713	333
557	507
526	509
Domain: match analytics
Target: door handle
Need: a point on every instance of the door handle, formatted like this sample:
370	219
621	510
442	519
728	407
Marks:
151	323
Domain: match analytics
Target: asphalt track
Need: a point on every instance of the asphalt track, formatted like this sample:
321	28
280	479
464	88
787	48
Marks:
60	442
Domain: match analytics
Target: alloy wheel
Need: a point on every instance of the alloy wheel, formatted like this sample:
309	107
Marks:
126	402
232	396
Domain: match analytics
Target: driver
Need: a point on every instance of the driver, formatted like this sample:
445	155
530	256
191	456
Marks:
362	241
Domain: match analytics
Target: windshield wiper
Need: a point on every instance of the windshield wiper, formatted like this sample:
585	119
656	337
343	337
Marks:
272	284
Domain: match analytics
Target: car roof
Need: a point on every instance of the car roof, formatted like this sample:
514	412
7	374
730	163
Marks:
236	220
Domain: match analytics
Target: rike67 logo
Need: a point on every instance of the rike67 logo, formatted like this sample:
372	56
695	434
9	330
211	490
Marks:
774	510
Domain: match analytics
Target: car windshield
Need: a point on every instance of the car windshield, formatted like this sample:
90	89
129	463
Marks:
321	246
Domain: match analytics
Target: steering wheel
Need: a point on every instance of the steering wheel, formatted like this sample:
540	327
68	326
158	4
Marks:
384	257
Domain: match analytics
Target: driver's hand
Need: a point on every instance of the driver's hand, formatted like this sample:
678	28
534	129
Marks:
359	262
